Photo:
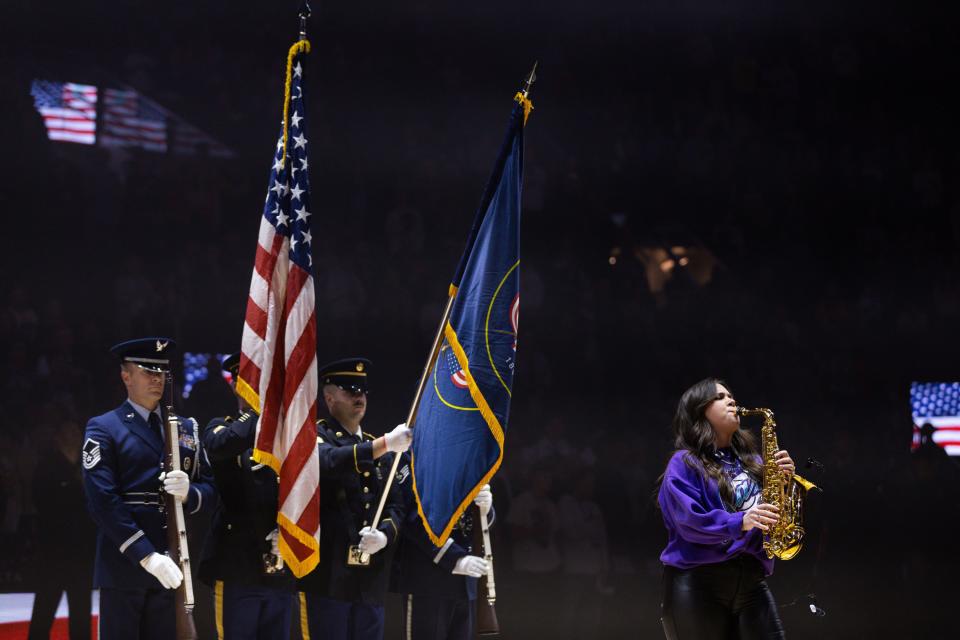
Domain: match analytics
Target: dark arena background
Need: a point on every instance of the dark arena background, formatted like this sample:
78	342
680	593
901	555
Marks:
764	192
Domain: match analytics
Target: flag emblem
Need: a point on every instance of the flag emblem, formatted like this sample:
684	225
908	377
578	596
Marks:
515	318
453	368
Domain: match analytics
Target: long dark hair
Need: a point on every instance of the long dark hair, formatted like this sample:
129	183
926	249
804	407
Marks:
693	433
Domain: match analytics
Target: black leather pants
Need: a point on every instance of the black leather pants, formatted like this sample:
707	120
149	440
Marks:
723	601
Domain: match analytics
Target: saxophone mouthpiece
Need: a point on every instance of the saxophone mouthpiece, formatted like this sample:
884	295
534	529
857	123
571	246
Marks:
766	414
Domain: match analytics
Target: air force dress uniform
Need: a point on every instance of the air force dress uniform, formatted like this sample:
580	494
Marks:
437	604
123	454
254	593
345	601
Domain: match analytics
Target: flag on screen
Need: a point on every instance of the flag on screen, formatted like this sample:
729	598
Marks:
188	140
69	110
937	404
131	120
278	361
459	427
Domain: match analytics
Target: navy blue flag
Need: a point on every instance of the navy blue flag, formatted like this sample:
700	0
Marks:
460	426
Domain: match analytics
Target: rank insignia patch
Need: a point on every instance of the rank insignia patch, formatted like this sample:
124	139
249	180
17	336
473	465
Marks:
403	474
91	453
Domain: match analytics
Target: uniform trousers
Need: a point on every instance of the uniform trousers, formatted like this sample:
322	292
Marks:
725	601
137	614
330	619
250	612
428	618
45	605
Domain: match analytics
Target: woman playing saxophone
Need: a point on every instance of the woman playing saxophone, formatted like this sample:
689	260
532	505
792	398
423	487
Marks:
714	584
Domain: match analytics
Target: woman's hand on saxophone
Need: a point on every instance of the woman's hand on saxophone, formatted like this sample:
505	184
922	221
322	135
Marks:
762	516
785	462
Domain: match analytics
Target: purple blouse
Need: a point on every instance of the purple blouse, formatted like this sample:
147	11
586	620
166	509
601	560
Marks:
700	530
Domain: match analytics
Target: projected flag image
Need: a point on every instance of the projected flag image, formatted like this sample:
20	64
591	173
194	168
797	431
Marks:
69	110
936	414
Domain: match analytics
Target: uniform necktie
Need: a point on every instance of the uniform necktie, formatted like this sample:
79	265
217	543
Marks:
155	424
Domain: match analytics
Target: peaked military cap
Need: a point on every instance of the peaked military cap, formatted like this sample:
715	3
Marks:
232	364
350	374
152	354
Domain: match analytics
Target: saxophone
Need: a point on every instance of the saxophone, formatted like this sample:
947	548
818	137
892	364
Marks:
785	538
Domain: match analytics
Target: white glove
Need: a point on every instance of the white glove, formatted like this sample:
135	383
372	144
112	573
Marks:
372	540
399	439
484	499
163	569
176	483
274	539
472	566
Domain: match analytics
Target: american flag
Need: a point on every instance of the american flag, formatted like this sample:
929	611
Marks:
69	110
187	140
457	376
131	120
278	361
937	404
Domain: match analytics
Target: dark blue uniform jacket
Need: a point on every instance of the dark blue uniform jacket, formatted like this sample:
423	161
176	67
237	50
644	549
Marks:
122	462
247	511
420	567
351	483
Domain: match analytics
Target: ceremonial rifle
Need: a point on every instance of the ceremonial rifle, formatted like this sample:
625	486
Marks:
177	547
487	623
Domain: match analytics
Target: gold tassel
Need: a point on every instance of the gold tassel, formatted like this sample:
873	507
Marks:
527	105
298	47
